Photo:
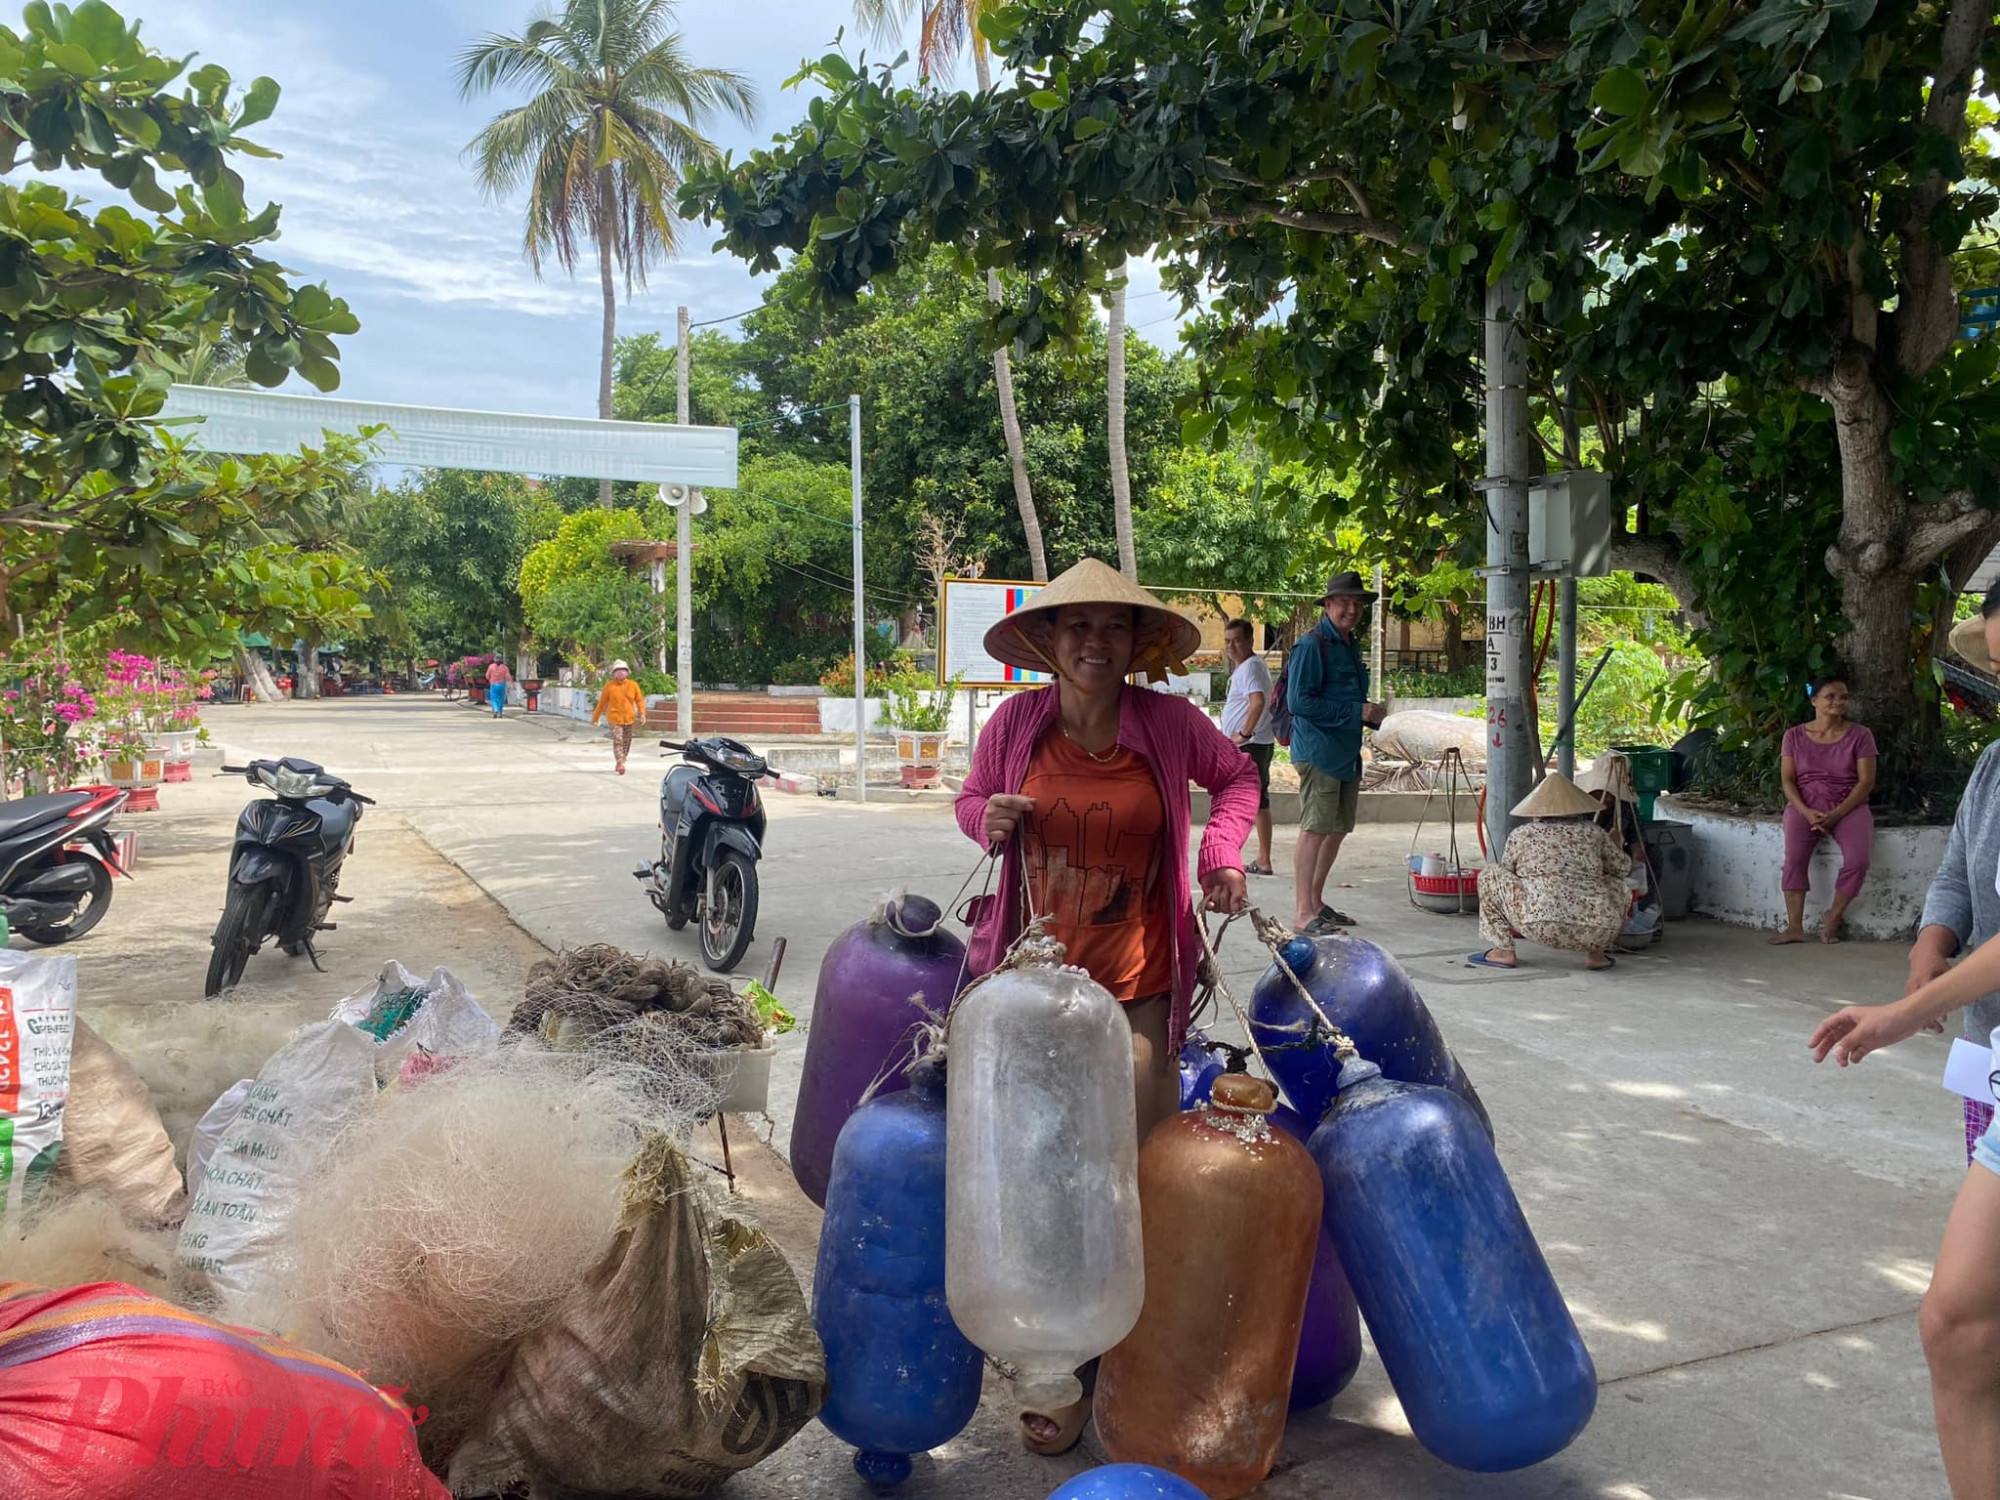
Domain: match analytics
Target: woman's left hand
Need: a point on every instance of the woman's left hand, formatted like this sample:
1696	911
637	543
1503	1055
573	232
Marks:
1225	891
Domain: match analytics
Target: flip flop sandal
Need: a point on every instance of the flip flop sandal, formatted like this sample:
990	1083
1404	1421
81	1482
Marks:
1481	961
1069	1422
1609	963
1258	870
1318	927
1335	918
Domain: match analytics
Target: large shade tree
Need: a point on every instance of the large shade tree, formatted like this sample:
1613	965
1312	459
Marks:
1726	216
614	119
949	26
103	524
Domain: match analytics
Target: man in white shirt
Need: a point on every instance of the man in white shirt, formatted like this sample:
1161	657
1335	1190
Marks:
1246	719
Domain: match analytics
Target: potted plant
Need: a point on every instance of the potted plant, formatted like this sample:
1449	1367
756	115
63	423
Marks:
921	721
44	714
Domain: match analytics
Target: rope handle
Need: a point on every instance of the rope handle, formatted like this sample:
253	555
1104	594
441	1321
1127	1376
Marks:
1274	935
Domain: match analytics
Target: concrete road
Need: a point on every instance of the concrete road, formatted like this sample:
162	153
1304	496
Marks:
1742	1237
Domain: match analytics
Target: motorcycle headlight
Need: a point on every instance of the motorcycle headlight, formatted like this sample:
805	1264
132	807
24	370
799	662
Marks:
736	760
293	783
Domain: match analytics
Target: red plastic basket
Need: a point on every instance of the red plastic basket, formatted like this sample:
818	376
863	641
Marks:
1446	893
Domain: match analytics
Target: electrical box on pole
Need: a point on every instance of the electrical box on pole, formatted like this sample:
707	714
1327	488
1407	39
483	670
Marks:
1570	524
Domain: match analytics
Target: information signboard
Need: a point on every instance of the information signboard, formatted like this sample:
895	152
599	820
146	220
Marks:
970	608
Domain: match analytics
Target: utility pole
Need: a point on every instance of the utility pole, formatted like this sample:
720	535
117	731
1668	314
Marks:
684	568
1566	669
1381	637
860	621
1510	737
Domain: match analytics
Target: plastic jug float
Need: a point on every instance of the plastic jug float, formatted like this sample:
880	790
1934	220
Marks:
1330	1336
876	983
1368	995
1127	1482
1469	1323
1232	1212
1043	1266
904	1379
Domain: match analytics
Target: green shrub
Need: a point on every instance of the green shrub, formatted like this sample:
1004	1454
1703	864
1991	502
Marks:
1468	681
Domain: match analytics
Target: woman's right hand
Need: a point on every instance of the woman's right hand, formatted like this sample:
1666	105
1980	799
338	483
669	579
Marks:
1003	815
1853	1033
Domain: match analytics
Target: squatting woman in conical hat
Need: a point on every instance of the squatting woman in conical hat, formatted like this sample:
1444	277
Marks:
1084	786
1562	881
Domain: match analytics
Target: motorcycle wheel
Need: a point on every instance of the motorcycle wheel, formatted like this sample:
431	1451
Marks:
239	931
729	922
89	912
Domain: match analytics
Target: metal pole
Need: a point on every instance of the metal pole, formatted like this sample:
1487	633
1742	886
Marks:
1566	667
860	623
1510	737
1381	633
684	569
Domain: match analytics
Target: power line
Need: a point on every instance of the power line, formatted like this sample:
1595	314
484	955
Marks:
711	322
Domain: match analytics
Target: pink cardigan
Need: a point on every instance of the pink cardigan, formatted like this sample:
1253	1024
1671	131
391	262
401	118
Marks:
1181	745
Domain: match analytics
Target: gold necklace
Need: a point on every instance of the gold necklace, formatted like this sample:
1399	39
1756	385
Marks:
1104	759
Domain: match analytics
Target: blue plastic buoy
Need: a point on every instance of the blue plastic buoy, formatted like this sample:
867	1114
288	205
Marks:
1199	1069
1469	1324
903	1379
1127	1482
1368	995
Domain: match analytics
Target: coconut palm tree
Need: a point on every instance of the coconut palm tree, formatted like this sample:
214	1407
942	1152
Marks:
1114	444
948	26
614	119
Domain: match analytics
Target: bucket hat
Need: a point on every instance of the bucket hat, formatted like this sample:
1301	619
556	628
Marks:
1610	772
1165	638
1968	639
1343	584
621	665
1556	797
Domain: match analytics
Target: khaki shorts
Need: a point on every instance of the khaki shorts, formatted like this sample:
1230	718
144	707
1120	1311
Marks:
1326	803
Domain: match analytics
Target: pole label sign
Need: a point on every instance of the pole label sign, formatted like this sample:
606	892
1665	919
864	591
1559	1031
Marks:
1503	631
971	607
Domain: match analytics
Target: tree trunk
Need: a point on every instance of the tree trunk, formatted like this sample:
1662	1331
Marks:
607	211
258	676
1003	380
1114	405
1454	639
1877	590
309	670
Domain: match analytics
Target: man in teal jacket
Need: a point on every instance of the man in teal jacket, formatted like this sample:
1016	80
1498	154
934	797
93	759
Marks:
1326	693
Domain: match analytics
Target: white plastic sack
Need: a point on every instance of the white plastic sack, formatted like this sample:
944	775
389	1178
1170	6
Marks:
210	1129
447	1021
37	1021
1421	735
113	1142
310	1090
311	1087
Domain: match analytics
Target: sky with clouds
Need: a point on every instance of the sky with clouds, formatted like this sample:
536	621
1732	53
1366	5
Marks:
379	203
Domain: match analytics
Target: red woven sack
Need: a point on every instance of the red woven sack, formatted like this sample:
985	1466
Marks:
109	1394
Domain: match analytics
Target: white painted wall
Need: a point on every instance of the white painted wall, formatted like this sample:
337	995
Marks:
1738	863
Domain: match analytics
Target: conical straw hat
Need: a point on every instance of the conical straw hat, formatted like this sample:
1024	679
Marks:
1968	639
1556	797
1610	772
1165	638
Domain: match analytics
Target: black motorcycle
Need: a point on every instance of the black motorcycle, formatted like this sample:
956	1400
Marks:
711	837
51	888
284	871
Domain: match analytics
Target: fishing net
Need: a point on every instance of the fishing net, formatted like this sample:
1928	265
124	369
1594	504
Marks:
459	1211
600	988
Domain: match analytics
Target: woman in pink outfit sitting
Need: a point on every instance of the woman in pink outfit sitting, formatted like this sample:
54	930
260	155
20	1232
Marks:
1829	770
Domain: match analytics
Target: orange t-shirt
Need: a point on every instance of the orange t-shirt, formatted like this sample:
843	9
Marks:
1095	851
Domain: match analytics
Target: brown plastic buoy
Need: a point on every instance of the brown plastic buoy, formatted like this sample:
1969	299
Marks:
1230	1210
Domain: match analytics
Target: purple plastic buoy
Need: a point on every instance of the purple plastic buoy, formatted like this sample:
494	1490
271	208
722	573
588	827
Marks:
878	982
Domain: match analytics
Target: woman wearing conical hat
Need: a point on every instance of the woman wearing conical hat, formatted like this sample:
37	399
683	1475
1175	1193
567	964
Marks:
1561	883
1084	787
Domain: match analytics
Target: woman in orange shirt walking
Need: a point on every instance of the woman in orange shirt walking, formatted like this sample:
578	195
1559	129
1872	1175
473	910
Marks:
621	705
